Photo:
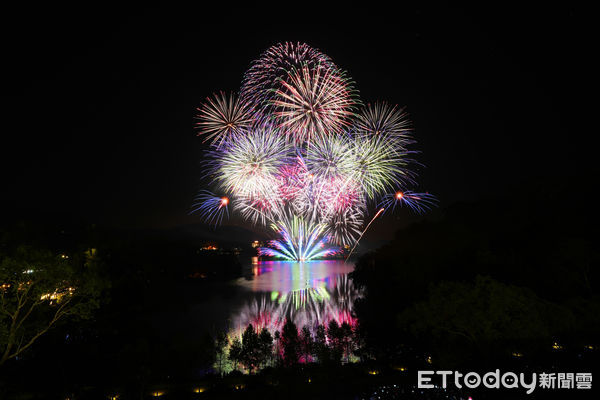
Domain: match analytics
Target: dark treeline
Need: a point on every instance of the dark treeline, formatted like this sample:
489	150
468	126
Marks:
510	279
330	345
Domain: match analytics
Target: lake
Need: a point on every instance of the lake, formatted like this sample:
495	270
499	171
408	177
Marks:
310	293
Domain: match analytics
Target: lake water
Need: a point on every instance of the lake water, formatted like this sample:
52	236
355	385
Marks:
269	292
310	293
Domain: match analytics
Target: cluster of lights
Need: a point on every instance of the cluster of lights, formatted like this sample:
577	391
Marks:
57	295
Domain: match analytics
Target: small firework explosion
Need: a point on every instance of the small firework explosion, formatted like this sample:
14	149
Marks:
293	155
383	119
212	208
223	117
378	165
417	202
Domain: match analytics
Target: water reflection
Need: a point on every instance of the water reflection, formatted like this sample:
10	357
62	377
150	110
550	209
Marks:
288	276
310	293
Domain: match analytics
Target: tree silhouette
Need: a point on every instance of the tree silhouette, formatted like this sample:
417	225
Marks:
39	289
277	340
251	354
335	335
235	352
306	344
221	350
265	346
346	336
320	348
291	343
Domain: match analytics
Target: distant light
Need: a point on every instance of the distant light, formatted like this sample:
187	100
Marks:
224	201
399	195
557	346
199	390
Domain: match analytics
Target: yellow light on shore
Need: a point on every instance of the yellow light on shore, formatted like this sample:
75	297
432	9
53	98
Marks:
556	346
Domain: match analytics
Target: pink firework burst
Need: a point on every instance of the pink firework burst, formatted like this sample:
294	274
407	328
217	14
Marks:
292	178
341	194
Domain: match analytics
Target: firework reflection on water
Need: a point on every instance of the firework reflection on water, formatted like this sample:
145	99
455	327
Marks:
310	293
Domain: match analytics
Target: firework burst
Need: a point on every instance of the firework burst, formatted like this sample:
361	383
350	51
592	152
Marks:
379	166
264	76
248	165
211	207
292	155
344	227
312	103
223	117
301	240
417	202
382	118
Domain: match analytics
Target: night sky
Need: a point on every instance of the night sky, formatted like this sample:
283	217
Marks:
98	104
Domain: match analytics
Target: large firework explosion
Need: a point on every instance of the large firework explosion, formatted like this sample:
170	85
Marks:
296	151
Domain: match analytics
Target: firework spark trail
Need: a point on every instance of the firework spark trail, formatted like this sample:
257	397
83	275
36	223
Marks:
363	232
294	153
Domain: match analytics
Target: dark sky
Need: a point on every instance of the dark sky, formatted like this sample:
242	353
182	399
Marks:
99	103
